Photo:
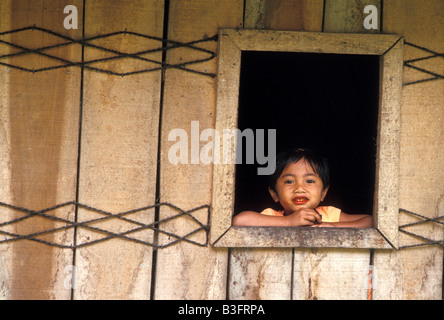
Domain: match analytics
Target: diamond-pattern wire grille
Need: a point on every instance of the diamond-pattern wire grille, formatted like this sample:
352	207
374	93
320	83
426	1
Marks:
429	76
8	236
164	44
63	41
91	225
411	64
425	240
110	54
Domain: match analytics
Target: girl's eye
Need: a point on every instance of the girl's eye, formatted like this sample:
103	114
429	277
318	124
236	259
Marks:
288	181
310	181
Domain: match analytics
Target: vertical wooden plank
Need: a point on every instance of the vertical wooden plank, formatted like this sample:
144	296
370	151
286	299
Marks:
259	273
185	270
302	15
6	254
254	14
416	273
330	274
38	139
348	16
118	156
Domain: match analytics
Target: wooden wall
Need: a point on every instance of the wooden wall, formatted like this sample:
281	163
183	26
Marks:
74	134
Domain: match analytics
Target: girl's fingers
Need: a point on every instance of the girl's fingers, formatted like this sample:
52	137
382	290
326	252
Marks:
318	216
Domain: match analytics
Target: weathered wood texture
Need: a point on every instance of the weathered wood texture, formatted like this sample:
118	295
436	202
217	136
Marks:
118	155
348	16
302	15
39	145
416	273
331	274
197	273
39	140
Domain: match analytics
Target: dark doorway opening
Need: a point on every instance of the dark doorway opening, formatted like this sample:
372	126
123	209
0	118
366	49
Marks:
325	102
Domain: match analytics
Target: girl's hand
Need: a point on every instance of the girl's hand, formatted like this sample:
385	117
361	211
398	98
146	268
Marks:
304	217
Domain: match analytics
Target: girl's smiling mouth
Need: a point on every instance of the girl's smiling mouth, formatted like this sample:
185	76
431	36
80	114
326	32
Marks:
299	200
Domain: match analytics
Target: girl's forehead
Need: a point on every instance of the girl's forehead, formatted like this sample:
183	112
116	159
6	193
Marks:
301	167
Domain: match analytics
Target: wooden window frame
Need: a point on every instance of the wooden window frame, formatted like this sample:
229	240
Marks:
384	234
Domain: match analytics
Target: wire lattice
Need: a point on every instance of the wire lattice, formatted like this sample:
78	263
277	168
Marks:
112	54
428	73
154	226
425	241
138	226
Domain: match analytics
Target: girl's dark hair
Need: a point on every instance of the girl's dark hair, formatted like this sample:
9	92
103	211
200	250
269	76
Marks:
319	164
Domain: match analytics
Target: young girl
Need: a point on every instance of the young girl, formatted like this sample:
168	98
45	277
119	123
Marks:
299	183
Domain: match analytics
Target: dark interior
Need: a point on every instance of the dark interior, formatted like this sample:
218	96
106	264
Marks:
324	102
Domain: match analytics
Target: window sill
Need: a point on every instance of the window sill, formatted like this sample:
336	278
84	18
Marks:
289	237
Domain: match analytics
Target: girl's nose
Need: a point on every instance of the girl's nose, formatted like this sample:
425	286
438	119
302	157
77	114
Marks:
298	188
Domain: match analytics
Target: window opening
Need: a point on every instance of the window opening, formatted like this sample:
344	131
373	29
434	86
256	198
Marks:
324	102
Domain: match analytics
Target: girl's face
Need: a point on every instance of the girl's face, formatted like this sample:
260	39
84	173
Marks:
298	187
